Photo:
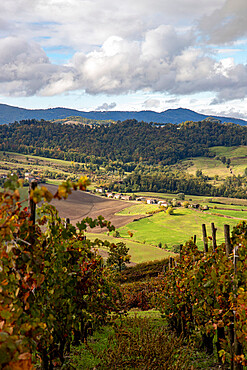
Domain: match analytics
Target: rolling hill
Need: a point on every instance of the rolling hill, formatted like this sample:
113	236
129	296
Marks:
10	114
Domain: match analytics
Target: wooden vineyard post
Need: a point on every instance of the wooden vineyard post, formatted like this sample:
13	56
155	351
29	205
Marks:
32	205
214	236
237	348
67	222
180	251
194	240
227	239
32	208
170	263
205	241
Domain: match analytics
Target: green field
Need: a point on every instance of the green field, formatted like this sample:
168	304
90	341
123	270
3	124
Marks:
35	157
139	252
232	213
230	152
138	209
176	229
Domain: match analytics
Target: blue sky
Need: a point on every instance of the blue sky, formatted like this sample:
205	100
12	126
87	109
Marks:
99	54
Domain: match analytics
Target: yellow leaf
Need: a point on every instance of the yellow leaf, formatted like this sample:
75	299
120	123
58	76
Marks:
83	182
46	194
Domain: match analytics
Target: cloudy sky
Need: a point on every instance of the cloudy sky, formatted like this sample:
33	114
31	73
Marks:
125	55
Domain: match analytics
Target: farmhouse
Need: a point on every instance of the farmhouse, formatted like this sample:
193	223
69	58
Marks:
140	199
109	195
163	204
126	197
100	190
151	201
29	177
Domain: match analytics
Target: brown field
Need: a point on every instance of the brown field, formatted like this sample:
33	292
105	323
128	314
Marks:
82	204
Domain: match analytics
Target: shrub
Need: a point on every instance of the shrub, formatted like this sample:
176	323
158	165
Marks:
185	204
169	211
116	234
118	256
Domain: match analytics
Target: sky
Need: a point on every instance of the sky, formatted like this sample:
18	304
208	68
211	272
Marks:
125	55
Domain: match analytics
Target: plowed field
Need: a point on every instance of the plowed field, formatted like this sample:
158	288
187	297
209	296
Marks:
82	204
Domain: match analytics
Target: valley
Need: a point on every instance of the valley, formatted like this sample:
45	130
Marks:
157	235
157	186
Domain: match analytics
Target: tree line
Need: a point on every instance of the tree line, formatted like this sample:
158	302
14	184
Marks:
179	183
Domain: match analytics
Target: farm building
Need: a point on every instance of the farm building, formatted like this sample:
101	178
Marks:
140	199
151	201
126	197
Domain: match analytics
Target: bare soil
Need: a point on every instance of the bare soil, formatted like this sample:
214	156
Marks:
81	204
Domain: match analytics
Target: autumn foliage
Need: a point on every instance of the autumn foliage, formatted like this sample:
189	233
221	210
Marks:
204	297
54	288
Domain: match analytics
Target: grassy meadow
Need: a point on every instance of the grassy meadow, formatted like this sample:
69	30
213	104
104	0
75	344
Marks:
139	252
138	209
212	167
178	228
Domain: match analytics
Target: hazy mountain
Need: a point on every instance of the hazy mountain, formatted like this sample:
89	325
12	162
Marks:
11	114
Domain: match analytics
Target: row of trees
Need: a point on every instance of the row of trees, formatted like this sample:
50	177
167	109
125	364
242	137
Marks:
180	182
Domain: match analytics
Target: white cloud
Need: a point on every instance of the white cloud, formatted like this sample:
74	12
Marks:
162	62
83	24
106	106
227	23
121	47
164	42
24	67
151	103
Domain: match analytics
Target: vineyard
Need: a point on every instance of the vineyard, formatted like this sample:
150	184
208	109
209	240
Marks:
55	290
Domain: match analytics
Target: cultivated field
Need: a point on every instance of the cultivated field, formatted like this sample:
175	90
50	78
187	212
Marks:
82	204
149	231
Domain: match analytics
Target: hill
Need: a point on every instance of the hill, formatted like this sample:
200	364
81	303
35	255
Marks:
11	114
128	141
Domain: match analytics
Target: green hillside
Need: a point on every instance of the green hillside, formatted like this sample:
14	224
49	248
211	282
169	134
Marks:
212	166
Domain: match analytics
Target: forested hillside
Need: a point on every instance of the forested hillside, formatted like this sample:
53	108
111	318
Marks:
128	141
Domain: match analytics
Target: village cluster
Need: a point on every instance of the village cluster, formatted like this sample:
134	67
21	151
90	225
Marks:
161	203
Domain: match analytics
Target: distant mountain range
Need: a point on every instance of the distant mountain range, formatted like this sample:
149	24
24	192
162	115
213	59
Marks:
10	114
